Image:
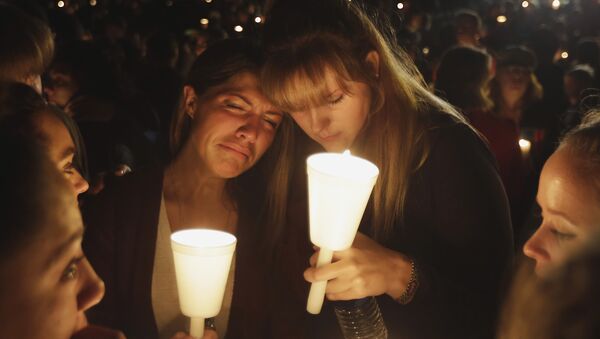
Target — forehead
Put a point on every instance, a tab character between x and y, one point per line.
563	189
308	87
58	223
57	137
245	84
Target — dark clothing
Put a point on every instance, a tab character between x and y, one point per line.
502	135
120	243
456	227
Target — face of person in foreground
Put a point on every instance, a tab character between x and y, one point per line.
336	124
61	149
570	211
232	125
48	284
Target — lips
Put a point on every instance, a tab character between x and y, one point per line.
329	137
245	151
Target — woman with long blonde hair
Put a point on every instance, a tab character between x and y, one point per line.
435	240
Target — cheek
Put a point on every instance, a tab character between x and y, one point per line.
264	142
303	121
51	313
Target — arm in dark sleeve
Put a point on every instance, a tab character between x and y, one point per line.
465	253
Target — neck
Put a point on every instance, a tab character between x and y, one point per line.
188	179
511	108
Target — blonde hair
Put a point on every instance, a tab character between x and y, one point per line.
305	41
26	44
583	142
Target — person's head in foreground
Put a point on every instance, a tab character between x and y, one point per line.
24	113
348	85
46	283
226	127
563	304
26	47
569	196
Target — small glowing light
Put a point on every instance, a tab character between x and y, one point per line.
555	4
501	19
258	20
60	4
93	3
564	55
400	5
208	1
238	28
204	21
425	50
525	146
525	4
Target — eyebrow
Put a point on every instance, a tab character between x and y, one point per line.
249	103
555	212
59	252
67	152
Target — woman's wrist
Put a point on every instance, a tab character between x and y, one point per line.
400	275
411	286
405	282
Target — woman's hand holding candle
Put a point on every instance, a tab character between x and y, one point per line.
365	269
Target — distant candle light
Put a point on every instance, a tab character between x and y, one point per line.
60	4
208	1
525	146
238	28
93	3
525	4
425	50
564	55
204	21
400	5
501	19
258	20
555	4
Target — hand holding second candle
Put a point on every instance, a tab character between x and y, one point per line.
365	269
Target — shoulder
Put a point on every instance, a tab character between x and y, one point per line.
448	136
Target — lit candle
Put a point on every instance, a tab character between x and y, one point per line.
525	146
202	261
339	186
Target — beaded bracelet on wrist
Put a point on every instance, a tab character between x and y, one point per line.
411	287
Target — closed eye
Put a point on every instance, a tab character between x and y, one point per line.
337	100
562	236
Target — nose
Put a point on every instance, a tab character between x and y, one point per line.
537	247
318	121
91	287
249	130
80	185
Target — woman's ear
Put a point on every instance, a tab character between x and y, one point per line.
372	61
190	101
